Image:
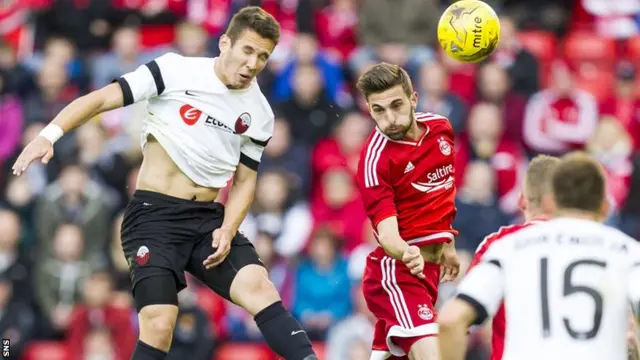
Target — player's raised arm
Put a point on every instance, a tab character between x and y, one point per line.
143	83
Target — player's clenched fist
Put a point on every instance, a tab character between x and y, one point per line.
39	148
414	261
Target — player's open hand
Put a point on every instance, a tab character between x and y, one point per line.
38	148
221	245
450	265
414	261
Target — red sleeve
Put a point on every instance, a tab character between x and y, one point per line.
77	330
373	182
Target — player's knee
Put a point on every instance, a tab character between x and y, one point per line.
156	325
253	290
424	348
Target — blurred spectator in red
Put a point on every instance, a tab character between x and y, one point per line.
306	52
560	118
287	154
241	326
341	149
485	141
382	36
624	104
97	312
328	301
435	97
17	319
191	40
18	78
277	212
358	256
53	94
342	209
335	26
126	56
494	86
11	120
59	276
521	64
214	307
192	337
75	199
461	78
15	263
310	111
478	210
358	327
612	146
609	18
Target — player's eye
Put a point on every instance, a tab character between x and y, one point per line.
248	50
264	58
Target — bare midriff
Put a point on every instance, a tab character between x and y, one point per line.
158	173
432	252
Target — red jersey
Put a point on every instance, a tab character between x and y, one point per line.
412	180
499	319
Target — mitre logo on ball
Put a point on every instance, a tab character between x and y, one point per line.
142	257
242	123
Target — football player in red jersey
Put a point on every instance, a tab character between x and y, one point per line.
406	178
537	205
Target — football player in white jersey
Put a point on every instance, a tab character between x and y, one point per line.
566	283
207	122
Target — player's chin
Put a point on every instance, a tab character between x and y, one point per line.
395	135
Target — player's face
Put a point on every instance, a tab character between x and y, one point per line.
393	111
245	58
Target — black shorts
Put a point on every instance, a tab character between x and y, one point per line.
162	235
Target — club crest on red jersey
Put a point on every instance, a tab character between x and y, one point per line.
424	312
445	148
242	123
142	256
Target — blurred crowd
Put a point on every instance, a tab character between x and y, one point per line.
563	78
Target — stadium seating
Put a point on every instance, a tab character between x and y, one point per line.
588	47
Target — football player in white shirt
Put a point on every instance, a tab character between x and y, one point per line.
566	283
207	122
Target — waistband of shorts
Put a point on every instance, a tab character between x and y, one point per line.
146	195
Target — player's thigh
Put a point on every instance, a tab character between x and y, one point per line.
241	278
425	348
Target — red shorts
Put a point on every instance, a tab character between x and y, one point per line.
402	303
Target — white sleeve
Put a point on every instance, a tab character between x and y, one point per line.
483	288
148	80
253	147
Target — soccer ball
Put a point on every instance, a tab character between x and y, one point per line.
469	30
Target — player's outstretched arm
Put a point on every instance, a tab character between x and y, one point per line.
72	116
390	240
454	320
238	203
633	351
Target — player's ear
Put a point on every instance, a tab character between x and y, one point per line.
224	44
604	210
522	203
414	100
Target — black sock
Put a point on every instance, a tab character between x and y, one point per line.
283	333
147	352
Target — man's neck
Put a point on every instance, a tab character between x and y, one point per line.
535	215
218	70
578	214
415	132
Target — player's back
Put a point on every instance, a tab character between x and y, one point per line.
565	290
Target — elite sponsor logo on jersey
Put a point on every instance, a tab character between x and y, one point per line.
242	123
189	114
213	122
142	256
441	178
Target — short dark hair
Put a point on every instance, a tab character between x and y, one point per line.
255	19
382	77
537	179
578	183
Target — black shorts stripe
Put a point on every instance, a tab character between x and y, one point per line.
481	312
127	94
249	162
261	143
157	76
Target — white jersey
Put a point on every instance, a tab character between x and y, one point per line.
566	285
206	128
